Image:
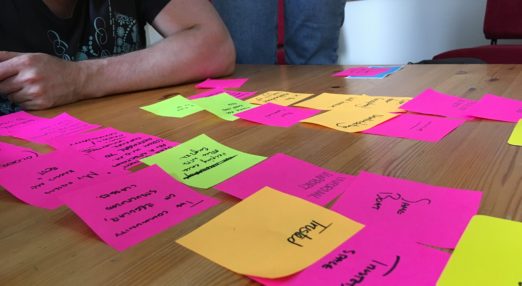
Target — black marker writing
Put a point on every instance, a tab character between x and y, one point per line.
131	199
125	231
117	192
303	232
338	259
358	123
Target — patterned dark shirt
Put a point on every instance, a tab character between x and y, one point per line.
98	28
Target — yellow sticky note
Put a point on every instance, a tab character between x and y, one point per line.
516	136
283	98
270	234
329	101
489	253
355	120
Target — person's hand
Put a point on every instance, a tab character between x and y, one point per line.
39	81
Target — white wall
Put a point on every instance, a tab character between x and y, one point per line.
401	31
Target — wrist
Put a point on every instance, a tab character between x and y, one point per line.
90	82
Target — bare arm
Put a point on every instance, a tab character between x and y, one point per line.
196	46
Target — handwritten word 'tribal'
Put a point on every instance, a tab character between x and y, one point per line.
303	232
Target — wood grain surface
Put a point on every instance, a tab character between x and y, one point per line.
40	247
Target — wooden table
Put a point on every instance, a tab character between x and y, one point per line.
40	247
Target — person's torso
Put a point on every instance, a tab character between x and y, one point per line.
97	28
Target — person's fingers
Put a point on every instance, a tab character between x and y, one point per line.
10	85
20	96
8	68
6	55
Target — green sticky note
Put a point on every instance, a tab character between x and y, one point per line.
516	136
177	106
489	253
202	162
224	105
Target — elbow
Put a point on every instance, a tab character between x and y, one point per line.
223	57
219	53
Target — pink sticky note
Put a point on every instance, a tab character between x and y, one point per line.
119	149
134	207
16	120
497	108
429	214
437	103
222	83
288	175
373	256
45	131
38	182
216	91
277	115
11	155
417	127
361	71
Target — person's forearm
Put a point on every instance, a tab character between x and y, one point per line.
188	55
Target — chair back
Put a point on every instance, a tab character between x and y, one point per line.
503	20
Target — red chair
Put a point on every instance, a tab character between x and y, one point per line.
503	20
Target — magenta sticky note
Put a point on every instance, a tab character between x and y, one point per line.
276	115
121	150
417	127
497	108
289	175
131	208
361	71
222	83
38	182
216	91
429	214
11	154
16	120
373	256
434	102
45	131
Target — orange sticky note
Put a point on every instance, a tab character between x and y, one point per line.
271	235
355	120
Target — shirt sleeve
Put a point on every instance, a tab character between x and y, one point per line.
149	9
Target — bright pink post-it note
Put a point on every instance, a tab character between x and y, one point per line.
119	149
417	127
222	83
433	102
497	108
45	131
277	115
288	175
11	155
216	91
361	71
429	214
134	207
38	182
373	256
16	120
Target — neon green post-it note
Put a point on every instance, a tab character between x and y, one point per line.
202	162
271	234
177	106
489	253
224	105
516	136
